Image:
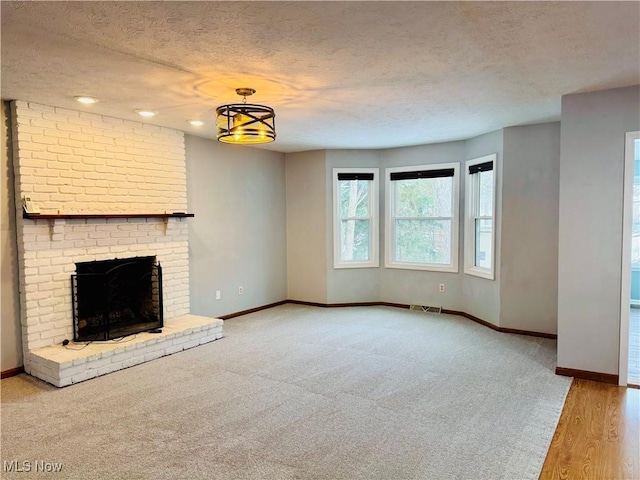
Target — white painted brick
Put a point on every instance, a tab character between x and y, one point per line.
50	285
95	364
26	127
90	116
74	162
131	361
33	107
59	149
82	167
191	343
154	355
70	174
79	121
48	372
70	127
66	112
63	308
34	342
173	349
38	121
86	243
104	370
180	340
81	377
207	339
80	361
76	369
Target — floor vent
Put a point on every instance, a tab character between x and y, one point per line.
426	308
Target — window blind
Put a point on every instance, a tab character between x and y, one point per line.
355	176
445	172
481	167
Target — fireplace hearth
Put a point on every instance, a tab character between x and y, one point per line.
116	298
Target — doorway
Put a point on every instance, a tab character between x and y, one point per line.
629	362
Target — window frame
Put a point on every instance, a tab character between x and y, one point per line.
390	219
471	215
374	235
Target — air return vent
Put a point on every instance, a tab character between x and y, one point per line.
426	308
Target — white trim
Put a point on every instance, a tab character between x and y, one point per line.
627	229
374	239
390	261
469	224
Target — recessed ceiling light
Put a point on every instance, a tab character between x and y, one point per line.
86	100
146	113
196	123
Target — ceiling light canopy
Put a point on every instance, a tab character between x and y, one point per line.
245	123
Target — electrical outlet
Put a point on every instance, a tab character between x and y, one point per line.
218	295
240	290
442	288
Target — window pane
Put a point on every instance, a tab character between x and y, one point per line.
635	228
484	248
423	241
485	195
424	197
354	198
354	240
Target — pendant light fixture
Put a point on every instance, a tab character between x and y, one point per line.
245	123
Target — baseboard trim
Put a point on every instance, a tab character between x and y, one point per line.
633	385
396	305
351	304
586	375
472	317
514	331
252	310
12	372
309	304
450	312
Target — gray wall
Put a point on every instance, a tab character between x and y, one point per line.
11	336
416	286
347	285
590	233
481	296
306	226
529	265
238	235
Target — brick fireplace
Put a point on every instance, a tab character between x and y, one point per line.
72	162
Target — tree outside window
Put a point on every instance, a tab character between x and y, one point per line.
422	213
355	217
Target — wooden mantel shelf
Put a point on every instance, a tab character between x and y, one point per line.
80	216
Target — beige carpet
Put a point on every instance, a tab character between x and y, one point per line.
304	393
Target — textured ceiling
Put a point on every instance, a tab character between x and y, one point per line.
339	74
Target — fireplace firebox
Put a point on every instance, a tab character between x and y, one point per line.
116	298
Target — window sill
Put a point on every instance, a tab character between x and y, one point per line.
488	275
423	267
342	266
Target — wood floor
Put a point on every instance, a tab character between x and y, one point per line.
598	435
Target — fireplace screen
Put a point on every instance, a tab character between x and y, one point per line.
116	298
